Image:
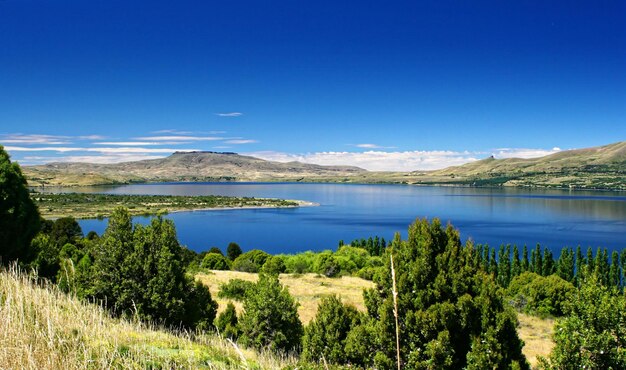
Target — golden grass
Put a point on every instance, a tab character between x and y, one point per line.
43	328
537	336
307	289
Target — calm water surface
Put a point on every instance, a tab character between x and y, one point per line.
493	216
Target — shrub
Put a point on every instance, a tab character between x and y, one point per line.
227	323
251	261
274	265
233	251
214	261
270	319
326	334
300	263
235	289
535	294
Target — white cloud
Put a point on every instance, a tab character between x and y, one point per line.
229	114
377	160
35	139
100	159
241	141
373	146
179	138
97	150
523	152
92	137
136	143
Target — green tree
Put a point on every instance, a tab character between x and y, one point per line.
233	251
450	314
270	318
214	261
516	266
565	265
274	265
251	261
614	273
65	230
525	266
593	334
19	216
326	334
227	322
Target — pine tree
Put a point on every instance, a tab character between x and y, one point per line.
548	262
565	265
525	266
538	260
233	251
516	267
614	273
227	322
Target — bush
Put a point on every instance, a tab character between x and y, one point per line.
214	261
300	263
251	261
233	251
274	265
235	289
227	323
326	264
593	334
325	336
544	296
270	319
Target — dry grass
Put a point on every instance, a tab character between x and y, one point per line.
537	336
307	289
42	328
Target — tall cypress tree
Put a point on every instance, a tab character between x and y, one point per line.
516	267
525	266
614	273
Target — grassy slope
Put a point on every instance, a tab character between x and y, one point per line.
42	328
309	288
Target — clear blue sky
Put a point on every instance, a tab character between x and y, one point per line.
325	81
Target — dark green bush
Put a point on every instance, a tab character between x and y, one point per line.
274	265
227	322
251	261
214	261
235	289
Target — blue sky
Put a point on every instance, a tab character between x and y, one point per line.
384	85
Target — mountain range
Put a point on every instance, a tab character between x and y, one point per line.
601	167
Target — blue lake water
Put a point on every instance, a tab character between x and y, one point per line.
552	218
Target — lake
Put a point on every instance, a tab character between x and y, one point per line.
495	216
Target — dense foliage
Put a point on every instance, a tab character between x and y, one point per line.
451	315
19	217
270	318
544	296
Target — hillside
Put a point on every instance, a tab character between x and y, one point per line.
42	328
601	167
184	166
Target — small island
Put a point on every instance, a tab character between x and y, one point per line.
83	206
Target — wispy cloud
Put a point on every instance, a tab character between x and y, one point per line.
173	131
372	146
241	141
135	143
178	138
92	137
229	114
35	139
97	150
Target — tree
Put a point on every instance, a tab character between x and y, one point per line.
274	265
326	334
593	334
227	322
451	315
516	267
233	251
19	216
65	230
215	261
270	318
251	261
525	266
565	265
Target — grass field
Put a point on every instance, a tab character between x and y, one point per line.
307	289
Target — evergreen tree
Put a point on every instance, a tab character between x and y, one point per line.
270	318
19	216
538	260
233	251
326	334
516	267
580	266
623	264
504	266
486	262
614	273
525	266
565	265
227	322
548	262
590	262
532	267
493	265
451	316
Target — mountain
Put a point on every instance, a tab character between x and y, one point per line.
185	166
601	167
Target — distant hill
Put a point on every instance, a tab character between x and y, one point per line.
601	167
184	166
